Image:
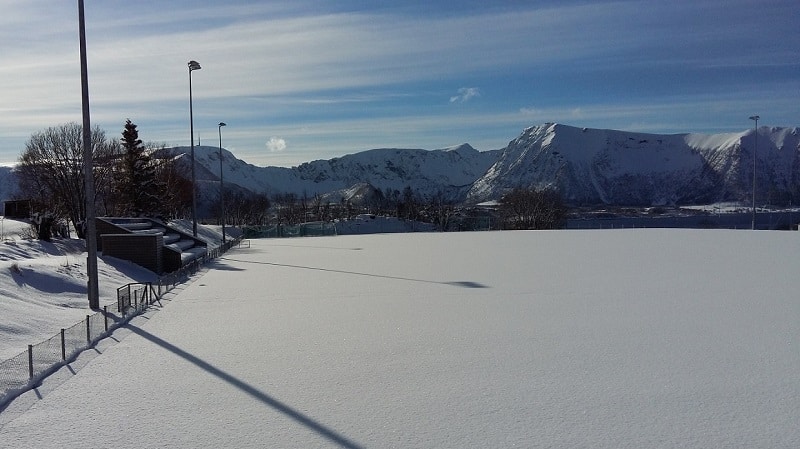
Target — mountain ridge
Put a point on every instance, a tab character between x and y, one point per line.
588	166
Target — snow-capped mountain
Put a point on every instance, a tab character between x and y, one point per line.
449	172
9	184
588	166
596	166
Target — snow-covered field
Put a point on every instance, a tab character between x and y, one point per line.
615	338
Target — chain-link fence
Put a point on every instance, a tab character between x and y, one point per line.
313	229
27	369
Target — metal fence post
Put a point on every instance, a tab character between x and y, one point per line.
105	317
88	330
30	361
63	346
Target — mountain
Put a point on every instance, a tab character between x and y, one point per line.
588	166
597	166
9	184
449	172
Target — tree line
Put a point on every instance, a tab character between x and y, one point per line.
520	208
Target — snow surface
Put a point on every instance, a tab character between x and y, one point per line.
617	339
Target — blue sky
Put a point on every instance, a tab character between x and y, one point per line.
302	80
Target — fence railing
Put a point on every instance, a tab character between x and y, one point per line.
27	369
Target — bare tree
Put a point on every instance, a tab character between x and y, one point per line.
51	171
532	209
174	189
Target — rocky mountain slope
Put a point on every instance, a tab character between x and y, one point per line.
596	166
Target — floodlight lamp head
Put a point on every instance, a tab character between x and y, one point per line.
221	124
755	117
194	65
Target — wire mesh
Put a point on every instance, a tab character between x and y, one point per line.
14	373
46	354
97	326
75	338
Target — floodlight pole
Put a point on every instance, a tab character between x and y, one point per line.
193	65
221	186
90	233
755	149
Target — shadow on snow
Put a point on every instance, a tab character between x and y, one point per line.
465	284
307	421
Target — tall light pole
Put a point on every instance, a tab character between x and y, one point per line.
221	187
755	149
193	65
90	232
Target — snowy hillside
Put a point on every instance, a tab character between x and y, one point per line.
9	186
593	166
448	171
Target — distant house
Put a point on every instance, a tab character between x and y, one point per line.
17	209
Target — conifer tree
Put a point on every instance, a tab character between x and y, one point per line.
137	184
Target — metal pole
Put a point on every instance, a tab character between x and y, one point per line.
755	150
191	136
221	186
91	239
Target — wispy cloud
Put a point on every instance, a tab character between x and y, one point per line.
465	94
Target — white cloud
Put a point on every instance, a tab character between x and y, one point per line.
465	94
276	144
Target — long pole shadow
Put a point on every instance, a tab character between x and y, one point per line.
466	284
308	422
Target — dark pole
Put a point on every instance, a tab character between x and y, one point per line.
193	65
755	149
221	186
91	239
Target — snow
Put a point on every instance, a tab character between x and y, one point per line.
722	140
615	338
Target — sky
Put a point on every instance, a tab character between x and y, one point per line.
657	338
301	80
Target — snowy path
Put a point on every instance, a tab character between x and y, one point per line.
635	338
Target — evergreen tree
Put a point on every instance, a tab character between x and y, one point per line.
137	184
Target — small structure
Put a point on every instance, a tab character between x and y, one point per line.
147	242
17	209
